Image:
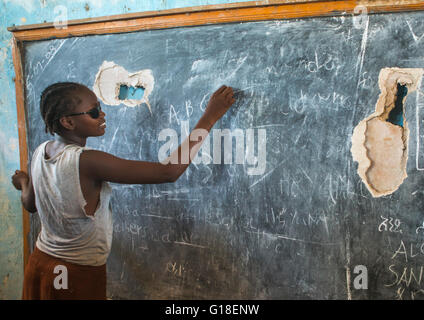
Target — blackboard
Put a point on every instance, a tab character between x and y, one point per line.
298	230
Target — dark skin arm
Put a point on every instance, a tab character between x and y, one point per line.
23	182
101	166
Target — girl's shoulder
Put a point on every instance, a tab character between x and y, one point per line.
40	148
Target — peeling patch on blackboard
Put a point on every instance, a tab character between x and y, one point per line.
201	65
111	76
379	144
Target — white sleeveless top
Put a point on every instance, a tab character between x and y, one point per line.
67	232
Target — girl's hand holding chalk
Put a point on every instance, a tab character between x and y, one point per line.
219	103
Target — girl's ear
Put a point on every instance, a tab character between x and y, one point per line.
67	123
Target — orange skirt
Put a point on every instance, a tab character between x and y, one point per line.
70	282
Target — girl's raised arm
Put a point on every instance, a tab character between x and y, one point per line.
102	166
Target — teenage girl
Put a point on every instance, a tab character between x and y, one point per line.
69	190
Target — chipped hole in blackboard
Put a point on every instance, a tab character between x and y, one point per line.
130	93
396	114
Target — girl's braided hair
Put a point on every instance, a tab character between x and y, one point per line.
56	101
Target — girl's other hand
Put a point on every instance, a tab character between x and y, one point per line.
19	179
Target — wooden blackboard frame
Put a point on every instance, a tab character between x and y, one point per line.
183	17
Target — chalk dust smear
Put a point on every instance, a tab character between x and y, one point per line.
111	77
379	144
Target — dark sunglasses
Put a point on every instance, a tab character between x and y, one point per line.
94	113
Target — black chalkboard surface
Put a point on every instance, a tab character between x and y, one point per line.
302	227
